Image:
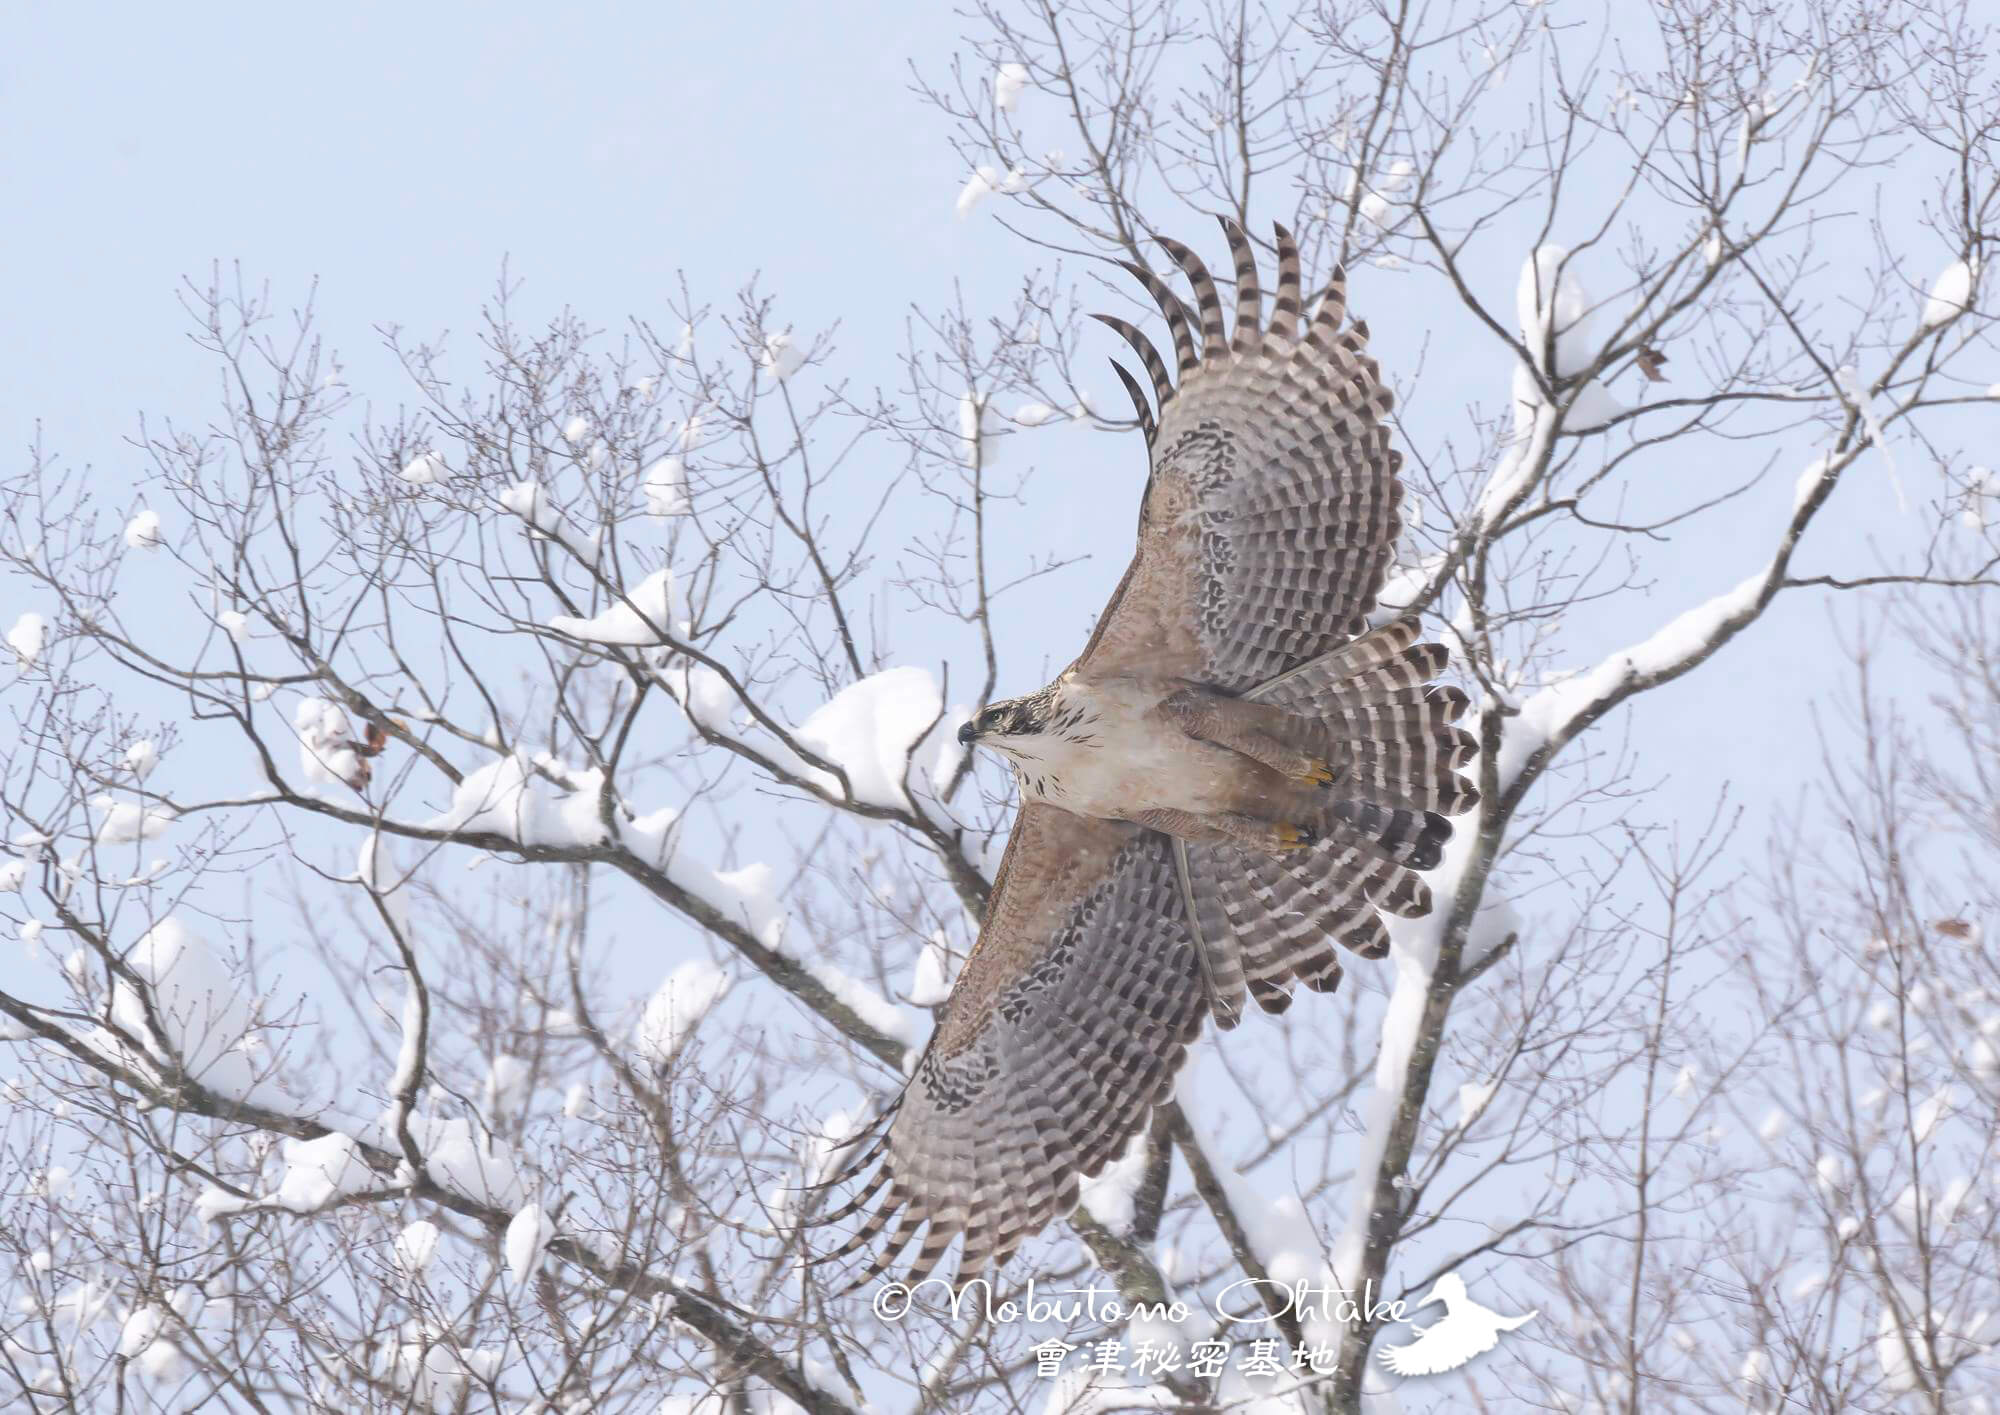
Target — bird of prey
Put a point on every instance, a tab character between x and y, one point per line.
1234	775
1467	1330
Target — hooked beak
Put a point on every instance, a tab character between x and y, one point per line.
1432	1296
966	734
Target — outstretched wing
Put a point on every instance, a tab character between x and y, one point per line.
1269	521
1270	513
1064	1029
1387	732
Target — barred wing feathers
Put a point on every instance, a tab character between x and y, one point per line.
1387	731
1266	528
1064	1030
1269	521
1270	513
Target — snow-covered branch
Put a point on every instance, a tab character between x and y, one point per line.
474	863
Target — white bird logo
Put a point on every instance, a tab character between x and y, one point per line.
1468	1330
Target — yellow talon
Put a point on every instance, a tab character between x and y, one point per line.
1292	837
1318	774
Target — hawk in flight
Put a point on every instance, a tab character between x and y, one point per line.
1235	775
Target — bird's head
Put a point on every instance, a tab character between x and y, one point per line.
1013	727
1448	1289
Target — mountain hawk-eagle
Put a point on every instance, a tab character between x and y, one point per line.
1234	775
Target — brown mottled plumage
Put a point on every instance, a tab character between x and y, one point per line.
1233	776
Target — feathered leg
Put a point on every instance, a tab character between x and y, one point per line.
1266	734
1227	828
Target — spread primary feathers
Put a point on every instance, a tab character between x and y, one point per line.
1234	775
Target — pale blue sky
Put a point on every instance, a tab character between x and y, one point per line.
398	153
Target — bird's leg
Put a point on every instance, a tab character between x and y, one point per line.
1226	828
1257	730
